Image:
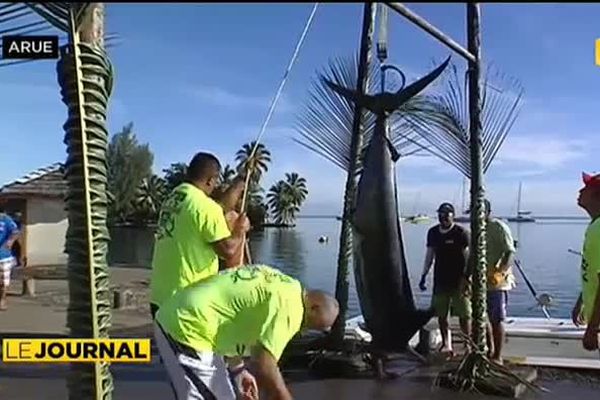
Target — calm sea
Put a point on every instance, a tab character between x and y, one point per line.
543	252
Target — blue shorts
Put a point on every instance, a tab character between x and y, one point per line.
496	305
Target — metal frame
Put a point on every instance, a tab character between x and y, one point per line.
432	30
478	222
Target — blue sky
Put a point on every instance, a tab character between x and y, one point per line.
200	77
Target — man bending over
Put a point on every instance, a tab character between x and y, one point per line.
205	329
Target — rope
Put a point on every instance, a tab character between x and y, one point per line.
272	109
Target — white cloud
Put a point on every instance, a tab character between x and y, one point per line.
223	97
543	152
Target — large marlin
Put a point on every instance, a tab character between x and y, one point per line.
380	269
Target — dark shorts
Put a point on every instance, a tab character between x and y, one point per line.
496	305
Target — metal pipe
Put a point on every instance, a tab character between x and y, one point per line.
432	30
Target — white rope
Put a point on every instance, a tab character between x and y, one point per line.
285	76
275	100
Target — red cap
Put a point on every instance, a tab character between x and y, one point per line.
590	180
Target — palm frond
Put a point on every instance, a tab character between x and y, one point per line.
446	126
43	18
86	69
58	14
324	124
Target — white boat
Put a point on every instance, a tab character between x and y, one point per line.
529	341
522	216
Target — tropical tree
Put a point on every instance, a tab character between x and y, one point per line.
227	175
129	163
297	187
253	161
150	196
175	175
446	129
85	76
285	198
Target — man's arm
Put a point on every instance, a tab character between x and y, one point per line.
232	195
594	322
14	234
509	250
229	247
429	256
264	367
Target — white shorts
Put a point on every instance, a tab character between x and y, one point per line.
6	265
193	374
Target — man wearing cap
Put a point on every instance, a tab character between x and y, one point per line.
500	251
587	307
447	244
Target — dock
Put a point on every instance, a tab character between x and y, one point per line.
539	342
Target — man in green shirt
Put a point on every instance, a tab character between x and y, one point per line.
587	308
500	251
205	329
192	232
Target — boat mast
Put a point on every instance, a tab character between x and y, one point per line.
519	200
464	198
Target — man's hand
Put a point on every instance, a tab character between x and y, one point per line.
576	316
422	283
246	385
242	224
590	339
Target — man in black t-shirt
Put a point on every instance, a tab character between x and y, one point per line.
448	244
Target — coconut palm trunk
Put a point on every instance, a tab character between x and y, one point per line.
85	77
342	282
478	221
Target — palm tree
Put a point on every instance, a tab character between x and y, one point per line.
297	187
285	198
257	163
446	126
83	67
175	175
227	175
149	198
281	203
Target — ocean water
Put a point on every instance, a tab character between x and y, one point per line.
542	251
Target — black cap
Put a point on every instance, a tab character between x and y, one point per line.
446	208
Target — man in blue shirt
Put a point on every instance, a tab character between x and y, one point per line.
8	234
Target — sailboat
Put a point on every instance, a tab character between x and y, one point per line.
416	218
522	216
464	217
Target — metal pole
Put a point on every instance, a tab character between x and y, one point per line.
478	220
345	252
432	30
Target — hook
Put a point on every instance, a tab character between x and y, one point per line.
384	68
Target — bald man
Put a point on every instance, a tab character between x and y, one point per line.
205	329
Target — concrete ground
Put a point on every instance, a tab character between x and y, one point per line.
150	382
45	315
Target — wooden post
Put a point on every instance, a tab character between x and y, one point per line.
478	220
345	251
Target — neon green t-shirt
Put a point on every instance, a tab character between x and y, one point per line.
230	313
590	268
189	222
499	241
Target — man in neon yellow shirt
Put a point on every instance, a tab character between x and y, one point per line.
587	308
205	329
500	251
192	232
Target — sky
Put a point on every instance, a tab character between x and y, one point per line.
200	77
